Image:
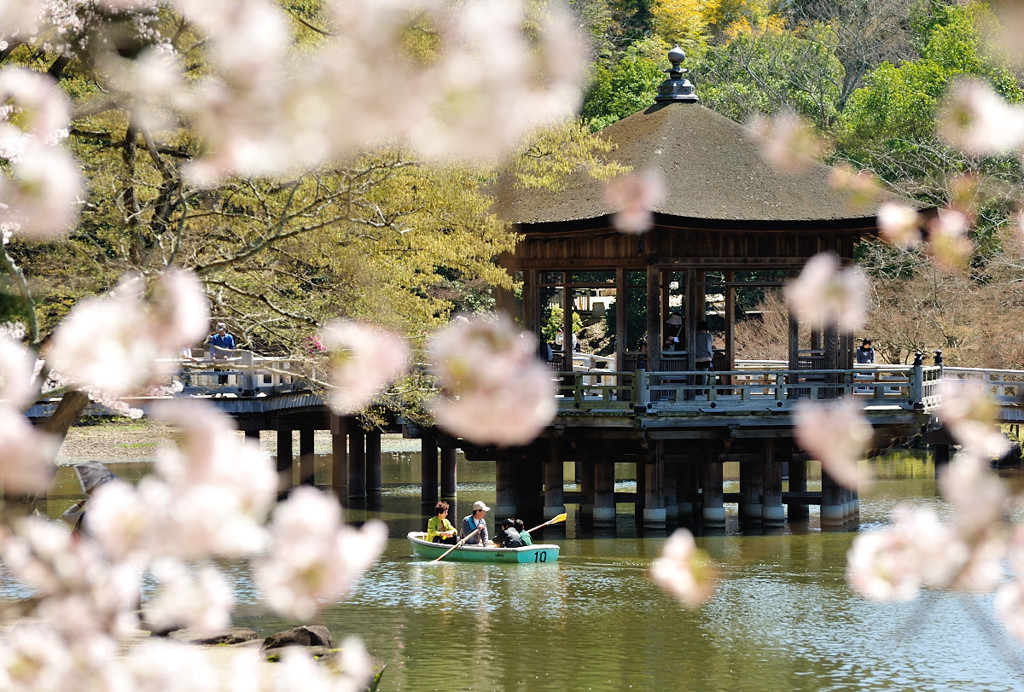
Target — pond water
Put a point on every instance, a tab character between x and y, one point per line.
783	618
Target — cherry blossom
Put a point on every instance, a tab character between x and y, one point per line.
978	121
198	600
894	563
836	434
787	142
633	195
862	187
26	453
18	384
315	557
948	243
825	293
364	359
684	570
969	413
494	389
899	224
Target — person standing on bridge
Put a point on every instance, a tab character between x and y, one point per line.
865	353
222	345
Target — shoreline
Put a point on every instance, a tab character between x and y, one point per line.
138	441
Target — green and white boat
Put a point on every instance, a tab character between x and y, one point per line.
537	553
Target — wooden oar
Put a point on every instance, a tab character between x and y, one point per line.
461	541
557	520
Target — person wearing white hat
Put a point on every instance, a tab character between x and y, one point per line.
476	521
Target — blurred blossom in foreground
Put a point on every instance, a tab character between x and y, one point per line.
970	414
836	434
862	187
979	122
684	570
632	195
363	360
42	185
787	142
118	344
899	224
26	454
948	243
825	293
315	558
494	389
894	563
495	71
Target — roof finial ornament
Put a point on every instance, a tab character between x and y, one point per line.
676	87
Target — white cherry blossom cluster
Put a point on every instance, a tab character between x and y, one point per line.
363	359
837	434
684	570
41	186
494	389
120	343
826	293
632	196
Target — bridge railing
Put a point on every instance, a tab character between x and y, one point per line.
244	373
1006	387
747	389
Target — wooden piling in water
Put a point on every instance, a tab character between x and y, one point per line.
356	462
604	492
449	472
428	470
285	481
554	497
306	459
339	456
374	481
773	516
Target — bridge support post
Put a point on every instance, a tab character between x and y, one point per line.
798	511
339	457
654	489
640	497
554	496
713	512
428	470
306	458
671	496
285	479
940	457
751	492
505	485
449	472
604	492
252	436
772	514
832	514
687	490
586	471
356	462
374	481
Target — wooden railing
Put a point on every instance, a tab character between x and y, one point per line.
912	387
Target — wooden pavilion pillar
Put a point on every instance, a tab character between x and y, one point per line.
307	460
654	488
620	319
449	471
713	510
832	513
428	470
772	513
653	317
554	496
356	462
374	472
285	479
339	456
730	320
798	511
751	492
604	491
252	435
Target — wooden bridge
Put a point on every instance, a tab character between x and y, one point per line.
678	427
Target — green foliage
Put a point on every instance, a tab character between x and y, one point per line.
621	90
549	331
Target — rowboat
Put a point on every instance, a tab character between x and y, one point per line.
538	552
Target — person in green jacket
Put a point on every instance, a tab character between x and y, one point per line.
521	528
439	529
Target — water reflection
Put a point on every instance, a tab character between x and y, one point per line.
783	618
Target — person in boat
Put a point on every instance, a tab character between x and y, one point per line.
507	536
476	521
523	533
439	529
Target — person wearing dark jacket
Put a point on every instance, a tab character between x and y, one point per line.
507	536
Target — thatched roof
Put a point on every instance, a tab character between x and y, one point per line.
713	172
